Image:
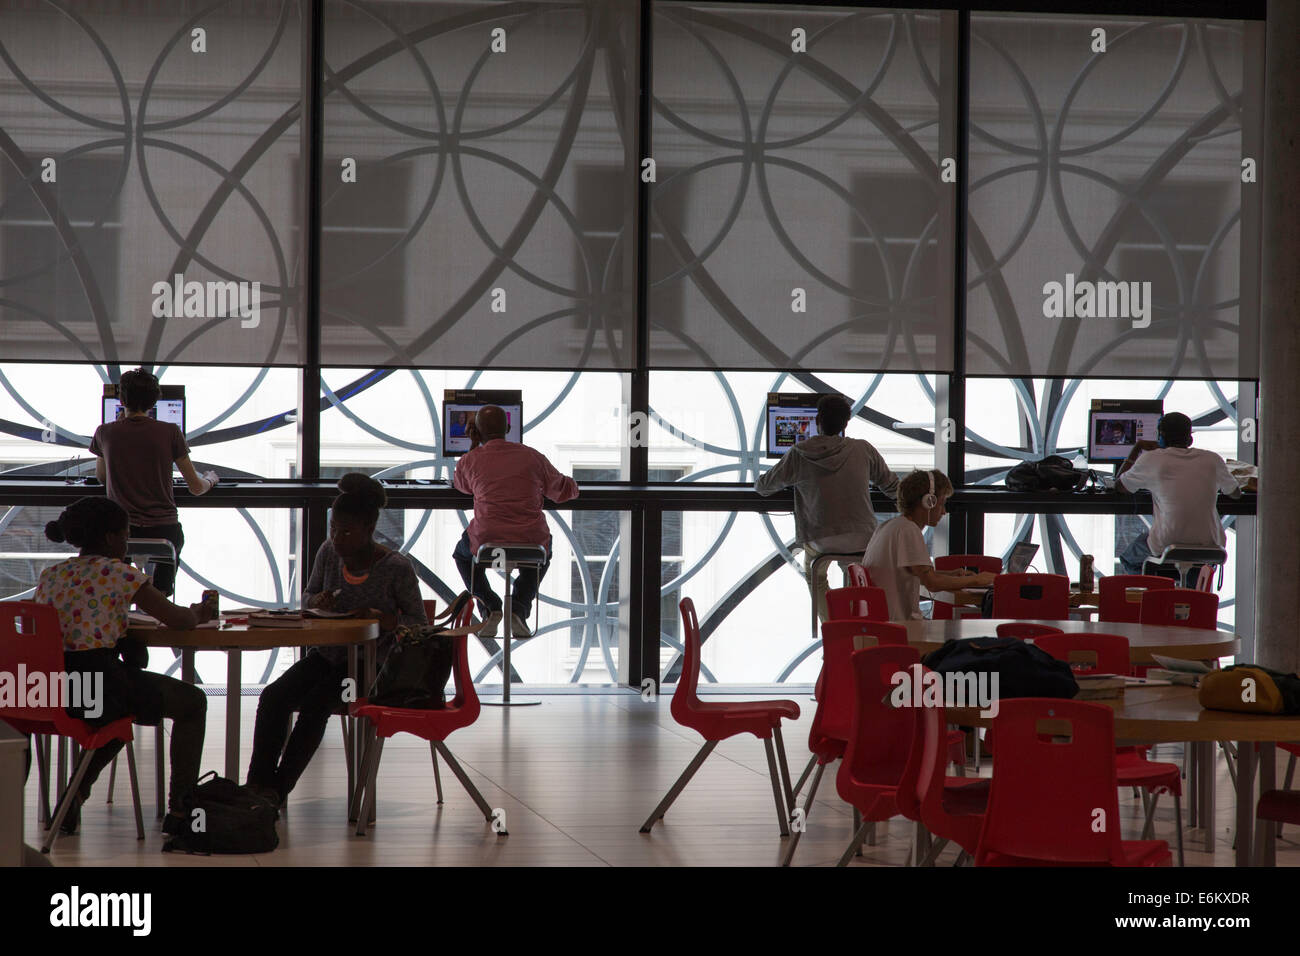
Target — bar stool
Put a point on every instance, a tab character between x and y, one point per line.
1185	557
814	567
506	558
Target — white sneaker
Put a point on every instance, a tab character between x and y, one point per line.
490	625
519	628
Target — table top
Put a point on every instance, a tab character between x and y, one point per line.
1189	643
316	633
1083	599
1173	714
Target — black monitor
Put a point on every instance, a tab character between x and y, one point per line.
1116	425
170	407
460	405
791	418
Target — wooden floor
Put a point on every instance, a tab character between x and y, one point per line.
576	777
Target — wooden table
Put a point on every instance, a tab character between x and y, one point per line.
1188	643
1085	602
1174	715
237	638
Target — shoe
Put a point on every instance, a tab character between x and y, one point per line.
490	625
519	628
174	824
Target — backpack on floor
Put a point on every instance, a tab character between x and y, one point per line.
226	818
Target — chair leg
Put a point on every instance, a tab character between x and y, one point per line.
65	801
1178	820
135	788
785	768
112	780
364	800
676	788
858	836
1290	772
1149	828
467	783
807	809
349	758
803	777
772	772
160	771
41	745
437	776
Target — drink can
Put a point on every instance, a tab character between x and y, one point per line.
1085	574
211	596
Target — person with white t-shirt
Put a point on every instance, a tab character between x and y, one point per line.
1184	483
897	558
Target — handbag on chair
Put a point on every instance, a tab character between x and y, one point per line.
418	667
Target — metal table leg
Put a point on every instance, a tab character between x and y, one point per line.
1245	801
1266	841
234	684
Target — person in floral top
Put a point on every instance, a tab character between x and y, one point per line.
92	594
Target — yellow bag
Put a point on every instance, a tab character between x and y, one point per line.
1249	690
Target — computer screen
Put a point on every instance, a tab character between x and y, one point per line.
1116	425
460	405
791	418
170	407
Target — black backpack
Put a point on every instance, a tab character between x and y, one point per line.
233	819
1023	670
1053	473
418	667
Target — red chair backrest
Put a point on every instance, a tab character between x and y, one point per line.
858	576
1025	630
1205	578
880	736
466	697
1180	607
1115	602
30	636
685	698
1051	800
885	633
1042	596
834	716
431	610
979	563
867	603
1108	652
920	789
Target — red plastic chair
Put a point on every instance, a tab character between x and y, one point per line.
1045	796
1045	597
880	740
950	808
1025	630
31	639
431	725
1100	653
870	603
859	576
1180	607
1116	606
716	721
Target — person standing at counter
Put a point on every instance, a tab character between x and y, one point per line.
1184	485
831	476
134	459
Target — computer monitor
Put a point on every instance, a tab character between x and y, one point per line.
460	405
1116	425
791	418
170	407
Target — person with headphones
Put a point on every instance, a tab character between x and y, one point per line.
1184	483
134	458
831	476
897	558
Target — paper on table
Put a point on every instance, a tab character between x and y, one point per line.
1183	666
321	612
140	619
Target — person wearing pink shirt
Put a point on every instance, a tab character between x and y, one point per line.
509	482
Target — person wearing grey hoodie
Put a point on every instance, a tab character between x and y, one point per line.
831	476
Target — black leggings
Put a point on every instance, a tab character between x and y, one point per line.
147	697
314	688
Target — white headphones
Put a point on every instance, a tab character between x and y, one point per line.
930	500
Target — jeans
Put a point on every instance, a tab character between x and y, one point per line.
314	688
158	697
522	594
164	575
